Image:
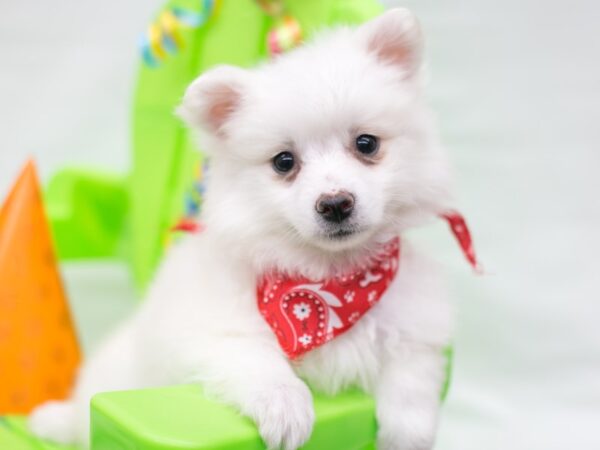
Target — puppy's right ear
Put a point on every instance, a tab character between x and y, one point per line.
213	98
395	38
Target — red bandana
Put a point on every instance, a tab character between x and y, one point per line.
305	314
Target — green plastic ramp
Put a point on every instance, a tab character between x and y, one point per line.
178	418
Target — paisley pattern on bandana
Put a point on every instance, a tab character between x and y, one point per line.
305	314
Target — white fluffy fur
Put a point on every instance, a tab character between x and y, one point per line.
200	322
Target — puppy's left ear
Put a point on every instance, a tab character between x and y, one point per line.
395	38
213	98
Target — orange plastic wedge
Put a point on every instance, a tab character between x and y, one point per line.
39	353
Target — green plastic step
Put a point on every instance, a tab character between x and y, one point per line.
177	418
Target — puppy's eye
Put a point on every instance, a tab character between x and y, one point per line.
367	144
283	162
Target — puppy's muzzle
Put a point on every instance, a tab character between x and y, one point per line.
335	207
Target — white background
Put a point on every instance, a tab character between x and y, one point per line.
516	85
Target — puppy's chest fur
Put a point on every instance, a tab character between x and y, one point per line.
207	303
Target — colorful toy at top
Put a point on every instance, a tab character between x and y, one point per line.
164	34
286	33
39	353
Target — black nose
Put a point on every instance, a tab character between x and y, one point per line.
335	208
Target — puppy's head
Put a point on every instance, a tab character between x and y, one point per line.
323	151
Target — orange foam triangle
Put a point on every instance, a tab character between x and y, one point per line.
39	353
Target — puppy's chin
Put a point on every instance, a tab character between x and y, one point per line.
341	239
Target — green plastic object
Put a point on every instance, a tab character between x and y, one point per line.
182	418
88	211
129	217
178	418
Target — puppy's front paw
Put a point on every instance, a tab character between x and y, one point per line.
284	415
414	430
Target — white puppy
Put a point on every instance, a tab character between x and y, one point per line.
317	158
